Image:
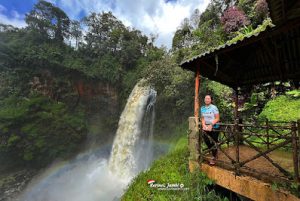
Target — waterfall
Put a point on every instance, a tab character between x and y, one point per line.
132	147
92	176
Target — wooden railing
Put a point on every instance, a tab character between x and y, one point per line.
263	137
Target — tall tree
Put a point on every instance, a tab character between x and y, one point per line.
75	32
104	32
195	19
182	37
48	20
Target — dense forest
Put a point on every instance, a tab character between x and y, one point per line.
64	83
54	79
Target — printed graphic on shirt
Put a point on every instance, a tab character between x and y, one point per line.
208	113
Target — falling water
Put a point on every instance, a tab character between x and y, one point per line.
92	176
132	147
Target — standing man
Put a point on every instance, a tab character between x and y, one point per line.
209	118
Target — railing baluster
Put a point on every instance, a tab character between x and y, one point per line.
237	151
200	140
295	151
268	137
298	137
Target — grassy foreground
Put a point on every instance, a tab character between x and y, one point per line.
171	168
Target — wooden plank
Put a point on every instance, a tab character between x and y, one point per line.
244	185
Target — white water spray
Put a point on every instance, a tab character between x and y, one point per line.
93	177
132	147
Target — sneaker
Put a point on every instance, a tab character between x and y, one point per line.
212	161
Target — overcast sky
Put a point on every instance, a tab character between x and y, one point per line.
159	17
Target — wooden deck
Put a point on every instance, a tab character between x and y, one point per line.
259	168
247	186
252	159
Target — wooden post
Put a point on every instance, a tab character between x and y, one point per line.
268	138
236	134
298	126
197	85
236	104
295	151
196	113
194	138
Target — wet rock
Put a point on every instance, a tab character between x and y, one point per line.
12	184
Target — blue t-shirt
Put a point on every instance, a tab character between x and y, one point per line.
208	113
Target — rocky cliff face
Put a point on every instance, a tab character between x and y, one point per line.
73	88
97	96
12	184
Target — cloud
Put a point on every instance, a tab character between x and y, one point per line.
158	17
14	19
162	18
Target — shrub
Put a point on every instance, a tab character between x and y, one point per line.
282	108
233	19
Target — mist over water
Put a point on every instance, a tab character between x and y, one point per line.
87	178
95	176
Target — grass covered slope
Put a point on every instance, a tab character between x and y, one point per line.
282	108
173	169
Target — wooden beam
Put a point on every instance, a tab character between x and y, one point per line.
197	85
226	77
245	185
